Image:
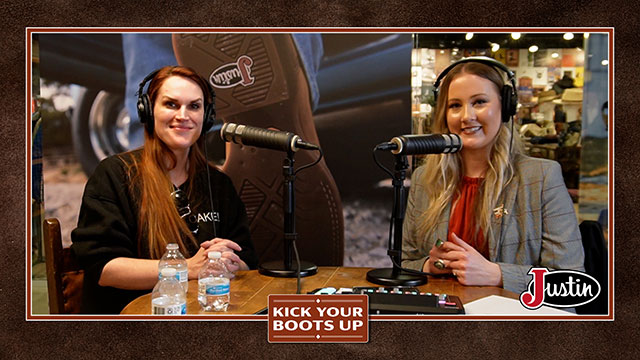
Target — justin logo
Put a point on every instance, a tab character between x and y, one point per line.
230	75
560	288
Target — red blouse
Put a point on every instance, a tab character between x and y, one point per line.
462	221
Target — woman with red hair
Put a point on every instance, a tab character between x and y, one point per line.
137	202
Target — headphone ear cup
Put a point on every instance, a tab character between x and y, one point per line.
209	112
145	113
509	103
209	118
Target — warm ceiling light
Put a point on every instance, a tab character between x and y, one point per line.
605	62
586	35
568	36
515	36
555	55
495	47
468	36
533	48
441	51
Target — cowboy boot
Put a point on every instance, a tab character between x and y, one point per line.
260	81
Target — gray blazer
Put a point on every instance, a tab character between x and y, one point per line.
538	228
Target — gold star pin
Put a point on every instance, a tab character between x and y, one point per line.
499	211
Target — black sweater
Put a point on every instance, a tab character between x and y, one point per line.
108	227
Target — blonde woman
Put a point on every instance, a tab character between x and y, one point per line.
136	203
487	213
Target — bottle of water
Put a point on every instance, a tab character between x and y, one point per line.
168	297
172	258
213	284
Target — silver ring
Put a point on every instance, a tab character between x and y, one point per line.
439	264
439	243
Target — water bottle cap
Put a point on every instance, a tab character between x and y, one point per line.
172	246
168	272
215	255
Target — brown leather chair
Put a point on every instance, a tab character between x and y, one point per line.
64	275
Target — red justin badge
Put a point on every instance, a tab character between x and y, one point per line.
318	318
559	288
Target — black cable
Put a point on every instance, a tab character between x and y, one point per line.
391	227
295	250
213	218
311	164
375	159
379	164
511	141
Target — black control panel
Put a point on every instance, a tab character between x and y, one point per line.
409	300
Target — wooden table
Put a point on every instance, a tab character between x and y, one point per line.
250	290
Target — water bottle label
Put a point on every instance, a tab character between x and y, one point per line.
218	289
180	309
182	276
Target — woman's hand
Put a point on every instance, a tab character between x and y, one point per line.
470	267
227	248
233	262
439	252
222	245
195	263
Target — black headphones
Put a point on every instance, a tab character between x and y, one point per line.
508	92
145	108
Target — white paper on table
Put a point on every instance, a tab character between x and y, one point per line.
499	305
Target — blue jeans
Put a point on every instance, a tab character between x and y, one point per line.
144	53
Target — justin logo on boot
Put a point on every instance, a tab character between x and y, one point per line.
232	74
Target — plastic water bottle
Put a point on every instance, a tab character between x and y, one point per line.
168	297
213	284
172	258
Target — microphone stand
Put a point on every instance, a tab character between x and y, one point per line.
395	276
285	268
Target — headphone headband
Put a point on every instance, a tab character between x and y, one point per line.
478	59
146	80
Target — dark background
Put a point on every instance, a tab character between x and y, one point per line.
453	340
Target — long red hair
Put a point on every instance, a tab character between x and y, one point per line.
159	222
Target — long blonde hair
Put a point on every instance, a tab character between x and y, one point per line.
159	222
442	181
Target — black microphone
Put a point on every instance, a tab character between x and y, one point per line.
423	144
264	138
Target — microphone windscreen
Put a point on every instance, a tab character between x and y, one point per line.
427	144
258	137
